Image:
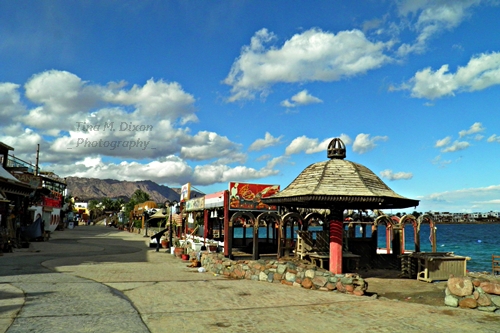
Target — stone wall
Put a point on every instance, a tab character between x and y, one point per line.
473	293
292	272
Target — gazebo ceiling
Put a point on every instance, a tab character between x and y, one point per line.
339	183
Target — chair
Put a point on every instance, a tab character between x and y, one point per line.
321	248
304	243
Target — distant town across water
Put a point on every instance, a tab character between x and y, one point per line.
447	217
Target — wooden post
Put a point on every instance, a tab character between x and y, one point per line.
396	241
388	237
433	237
416	232
255	249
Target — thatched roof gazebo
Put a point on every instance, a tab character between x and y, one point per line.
338	184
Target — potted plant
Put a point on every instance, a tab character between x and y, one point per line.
164	242
179	249
212	246
196	245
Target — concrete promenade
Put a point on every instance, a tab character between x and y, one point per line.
98	279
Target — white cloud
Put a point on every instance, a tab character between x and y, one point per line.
313	55
207	145
287	104
458	200
10	105
433	17
157	98
481	72
456	146
307	145
475	128
211	174
363	143
493	138
268	141
443	142
275	161
440	162
390	175
79	124
62	92
301	98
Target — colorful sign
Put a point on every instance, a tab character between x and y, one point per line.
185	192
243	196
195	204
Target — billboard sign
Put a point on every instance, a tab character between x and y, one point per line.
185	192
195	204
243	196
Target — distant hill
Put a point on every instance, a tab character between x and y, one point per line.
92	188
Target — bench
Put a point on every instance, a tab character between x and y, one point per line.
319	257
495	264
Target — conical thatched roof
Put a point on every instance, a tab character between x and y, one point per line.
339	183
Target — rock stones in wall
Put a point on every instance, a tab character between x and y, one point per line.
460	286
466	293
298	273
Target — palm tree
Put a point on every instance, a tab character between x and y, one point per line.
140	196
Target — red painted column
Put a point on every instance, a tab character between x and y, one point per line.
205	223
336	238
228	228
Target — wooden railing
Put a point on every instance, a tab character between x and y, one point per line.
495	264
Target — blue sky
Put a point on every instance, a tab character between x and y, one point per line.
209	92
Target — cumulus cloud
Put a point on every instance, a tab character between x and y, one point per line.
307	145
390	175
312	55
481	72
363	143
432	18
207	145
10	102
458	199
493	138
456	146
438	160
443	142
268	141
62	92
311	146
83	129
475	128
301	98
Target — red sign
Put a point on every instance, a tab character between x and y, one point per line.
50	202
244	196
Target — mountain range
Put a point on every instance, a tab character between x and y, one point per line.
92	188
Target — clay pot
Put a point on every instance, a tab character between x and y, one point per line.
178	251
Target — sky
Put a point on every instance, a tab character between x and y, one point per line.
209	92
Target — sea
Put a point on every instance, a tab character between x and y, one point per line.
476	241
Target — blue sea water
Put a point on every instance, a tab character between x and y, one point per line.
477	241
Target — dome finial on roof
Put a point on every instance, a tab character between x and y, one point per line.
336	149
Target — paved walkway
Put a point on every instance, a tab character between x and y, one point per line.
98	279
